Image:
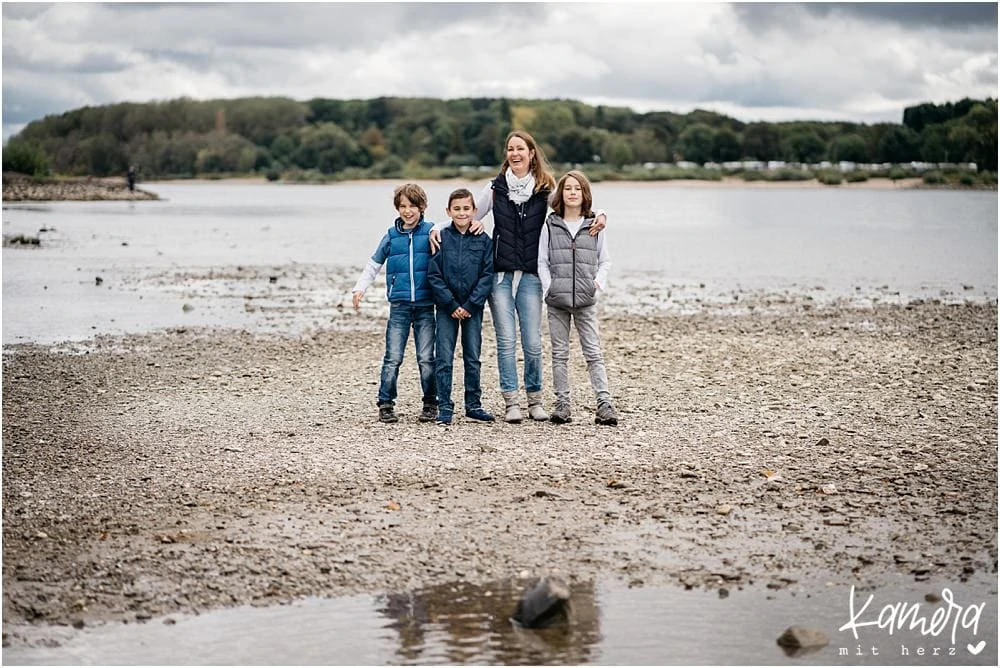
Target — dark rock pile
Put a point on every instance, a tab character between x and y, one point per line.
21	188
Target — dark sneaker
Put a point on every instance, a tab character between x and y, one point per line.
429	414
606	415
444	418
387	414
560	414
479	415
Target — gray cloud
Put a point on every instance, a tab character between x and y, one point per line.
949	15
922	14
802	60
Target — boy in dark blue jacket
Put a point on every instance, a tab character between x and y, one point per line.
461	277
405	251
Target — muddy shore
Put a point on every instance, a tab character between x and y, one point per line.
189	470
21	188
18	188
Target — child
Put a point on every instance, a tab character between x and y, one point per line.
461	275
573	266
405	250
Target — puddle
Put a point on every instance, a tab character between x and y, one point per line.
610	624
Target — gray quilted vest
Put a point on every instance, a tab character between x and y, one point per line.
572	264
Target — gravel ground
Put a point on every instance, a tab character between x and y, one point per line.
188	470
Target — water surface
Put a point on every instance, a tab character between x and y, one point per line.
460	623
673	248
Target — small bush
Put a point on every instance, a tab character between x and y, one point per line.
787	174
896	174
751	175
273	174
967	179
857	176
389	168
829	178
933	177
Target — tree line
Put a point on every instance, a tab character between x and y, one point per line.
389	136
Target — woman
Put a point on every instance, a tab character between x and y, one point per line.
518	198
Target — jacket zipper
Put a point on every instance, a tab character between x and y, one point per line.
413	286
572	247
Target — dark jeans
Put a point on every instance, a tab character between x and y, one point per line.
472	342
401	318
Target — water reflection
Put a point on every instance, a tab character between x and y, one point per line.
461	623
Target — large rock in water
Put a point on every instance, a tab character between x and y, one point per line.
800	637
544	604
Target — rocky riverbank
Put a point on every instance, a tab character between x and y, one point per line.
21	188
197	469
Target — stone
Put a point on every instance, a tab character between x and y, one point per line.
800	637
544	604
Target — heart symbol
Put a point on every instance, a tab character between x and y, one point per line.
977	649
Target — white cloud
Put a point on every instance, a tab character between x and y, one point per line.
768	62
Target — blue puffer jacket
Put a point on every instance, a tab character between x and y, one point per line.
407	256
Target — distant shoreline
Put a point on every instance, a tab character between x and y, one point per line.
19	188
726	182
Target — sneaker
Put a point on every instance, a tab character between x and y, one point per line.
429	413
387	414
444	418
560	414
606	415
479	415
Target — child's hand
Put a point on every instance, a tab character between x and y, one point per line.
435	241
356	299
477	227
599	224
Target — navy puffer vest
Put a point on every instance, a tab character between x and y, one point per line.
516	228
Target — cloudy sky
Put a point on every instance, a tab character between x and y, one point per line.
817	61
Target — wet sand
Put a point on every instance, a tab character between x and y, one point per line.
195	469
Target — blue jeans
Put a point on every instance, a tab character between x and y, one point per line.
401	318
527	305
472	343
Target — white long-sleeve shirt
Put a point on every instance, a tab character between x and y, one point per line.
603	256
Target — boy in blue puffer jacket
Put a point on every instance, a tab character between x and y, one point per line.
461	277
405	250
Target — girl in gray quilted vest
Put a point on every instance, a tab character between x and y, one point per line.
573	266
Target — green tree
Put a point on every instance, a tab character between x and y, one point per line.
695	143
761	141
726	146
328	148
982	121
897	145
850	148
804	146
617	151
25	157
934	143
647	146
574	145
